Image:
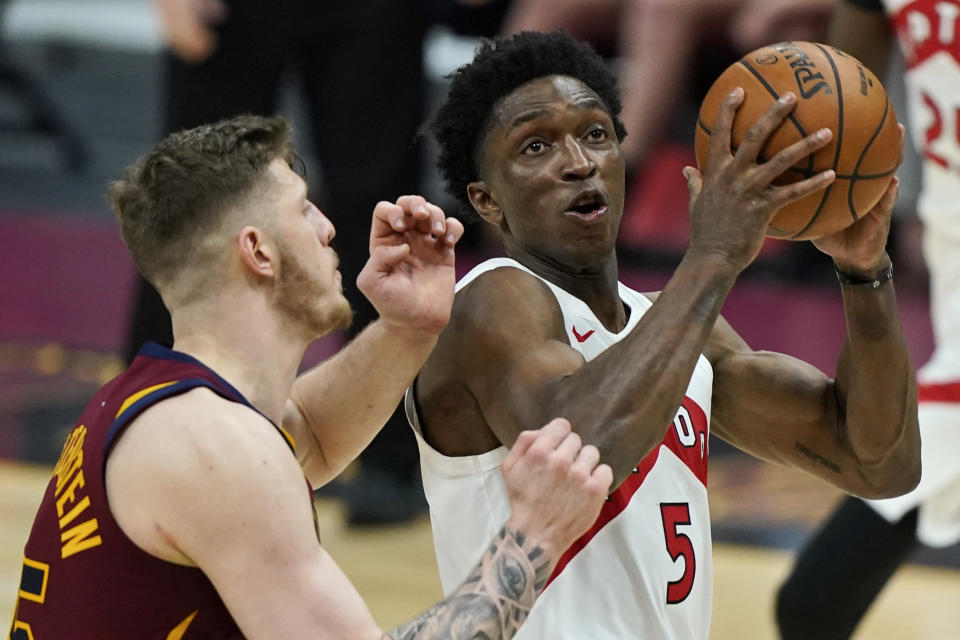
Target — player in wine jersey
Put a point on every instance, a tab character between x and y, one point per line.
862	544
529	141
180	508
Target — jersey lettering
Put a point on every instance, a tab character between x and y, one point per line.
70	480
684	426
694	457
33	587
928	28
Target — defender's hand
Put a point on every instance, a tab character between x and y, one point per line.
410	276
732	205
556	486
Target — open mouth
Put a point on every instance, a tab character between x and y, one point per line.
587	206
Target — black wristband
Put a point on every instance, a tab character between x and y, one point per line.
857	281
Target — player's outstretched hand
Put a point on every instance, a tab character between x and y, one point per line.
555	484
410	277
861	247
732	204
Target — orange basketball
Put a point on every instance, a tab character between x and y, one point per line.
833	90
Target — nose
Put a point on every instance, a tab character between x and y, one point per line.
578	164
325	228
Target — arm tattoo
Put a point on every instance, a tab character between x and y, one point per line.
816	457
493	601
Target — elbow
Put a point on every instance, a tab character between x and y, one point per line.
896	483
898	474
897	470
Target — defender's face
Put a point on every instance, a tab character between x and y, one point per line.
308	286
553	172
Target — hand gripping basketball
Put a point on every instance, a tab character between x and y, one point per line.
734	200
835	91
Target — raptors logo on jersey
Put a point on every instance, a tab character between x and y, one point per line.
929	34
645	561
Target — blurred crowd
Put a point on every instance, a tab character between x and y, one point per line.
360	68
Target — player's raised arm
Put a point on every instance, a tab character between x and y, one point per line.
859	431
519	367
409	279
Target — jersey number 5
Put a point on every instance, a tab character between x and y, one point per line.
679	544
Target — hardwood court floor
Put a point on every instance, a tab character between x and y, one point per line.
394	569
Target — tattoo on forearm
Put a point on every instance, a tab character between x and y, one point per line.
493	601
816	457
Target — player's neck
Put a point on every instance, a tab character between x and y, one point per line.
597	286
249	346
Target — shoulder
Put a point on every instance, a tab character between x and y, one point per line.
187	456
504	283
198	428
503	300
201	417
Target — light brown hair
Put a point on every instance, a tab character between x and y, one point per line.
170	200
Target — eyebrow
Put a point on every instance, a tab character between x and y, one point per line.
585	104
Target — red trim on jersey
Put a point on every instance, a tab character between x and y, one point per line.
942	392
694	454
918	52
620	498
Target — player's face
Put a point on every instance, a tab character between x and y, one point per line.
553	173
308	285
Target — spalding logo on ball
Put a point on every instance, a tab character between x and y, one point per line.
833	90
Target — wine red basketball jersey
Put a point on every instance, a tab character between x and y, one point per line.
82	577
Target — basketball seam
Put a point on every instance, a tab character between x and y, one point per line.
866	147
836	155
803	133
844	176
776	96
840	127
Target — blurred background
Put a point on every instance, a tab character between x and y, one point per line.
85	87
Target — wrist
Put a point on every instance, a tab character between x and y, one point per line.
866	280
407	337
531	537
711	266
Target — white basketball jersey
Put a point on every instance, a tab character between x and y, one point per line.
644	569
929	34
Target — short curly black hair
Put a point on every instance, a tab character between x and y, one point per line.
499	66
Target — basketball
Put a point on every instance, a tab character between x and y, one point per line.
833	90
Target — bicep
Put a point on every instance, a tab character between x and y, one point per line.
780	409
506	345
515	394
308	451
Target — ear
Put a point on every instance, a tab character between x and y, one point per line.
484	203
256	254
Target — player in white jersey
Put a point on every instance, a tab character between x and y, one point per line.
529	141
468	501
862	544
